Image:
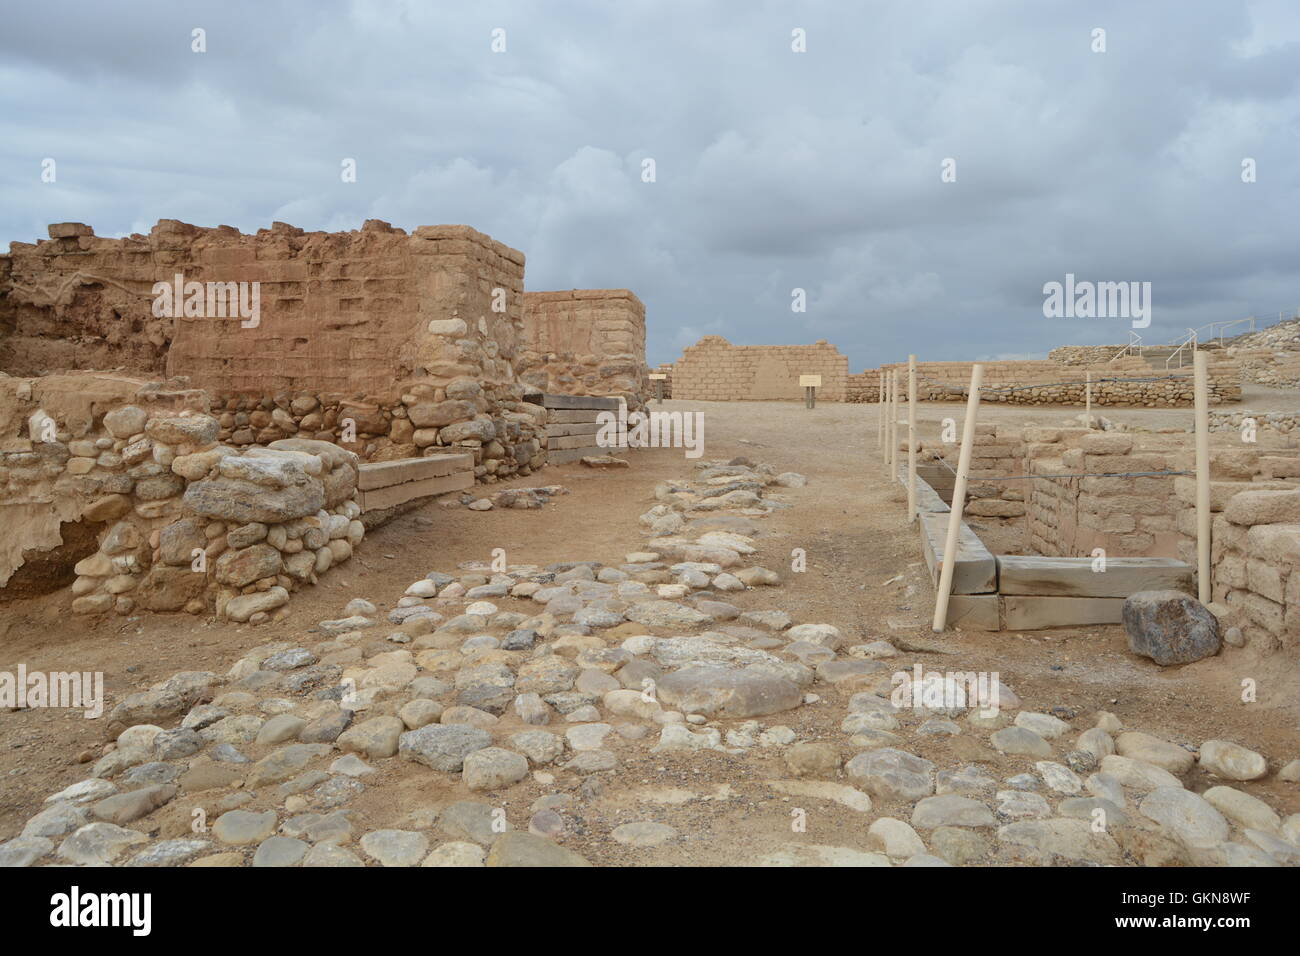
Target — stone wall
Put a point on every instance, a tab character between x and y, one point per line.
585	342
1256	566
715	370
412	339
128	480
1134	516
359	311
1277	368
863	386
1034	382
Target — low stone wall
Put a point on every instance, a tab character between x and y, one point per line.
715	370
998	450
1276	368
178	520
1127	382
505	434
1276	423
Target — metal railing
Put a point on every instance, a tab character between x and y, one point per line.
1134	347
1186	348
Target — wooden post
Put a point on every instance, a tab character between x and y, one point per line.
893	425
911	438
880	413
958	500
1087	402
1201	375
659	391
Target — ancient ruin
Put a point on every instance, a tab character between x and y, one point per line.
296	475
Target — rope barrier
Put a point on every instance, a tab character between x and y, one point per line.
1080	474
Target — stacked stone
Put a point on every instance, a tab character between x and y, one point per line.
204	524
1016	383
1256	566
1280	422
997	450
490	420
585	342
864	387
1125	516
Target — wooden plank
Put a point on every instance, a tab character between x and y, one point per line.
1023	612
975	570
392	495
580	428
562	456
381	474
1074	577
975	612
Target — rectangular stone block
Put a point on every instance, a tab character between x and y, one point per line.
975	571
380	474
1033	575
1027	613
391	495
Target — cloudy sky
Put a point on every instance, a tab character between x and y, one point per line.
774	170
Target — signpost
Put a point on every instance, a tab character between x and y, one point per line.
810	385
658	378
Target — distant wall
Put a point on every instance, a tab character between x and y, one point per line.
715	370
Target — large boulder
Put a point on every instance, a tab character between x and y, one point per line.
1170	627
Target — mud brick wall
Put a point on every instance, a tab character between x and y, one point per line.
360	311
1125	516
585	342
715	370
863	386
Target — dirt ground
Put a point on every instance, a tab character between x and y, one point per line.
849	520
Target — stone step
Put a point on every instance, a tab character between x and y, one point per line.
1075	577
578	428
1021	612
392	495
381	474
560	442
975	570
549	400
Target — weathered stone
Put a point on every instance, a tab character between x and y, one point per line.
1170	627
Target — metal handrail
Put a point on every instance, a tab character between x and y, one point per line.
1188	339
1134	347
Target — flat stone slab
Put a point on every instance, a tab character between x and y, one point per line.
975	571
1025	613
1075	577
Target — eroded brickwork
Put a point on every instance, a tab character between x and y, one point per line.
585	342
